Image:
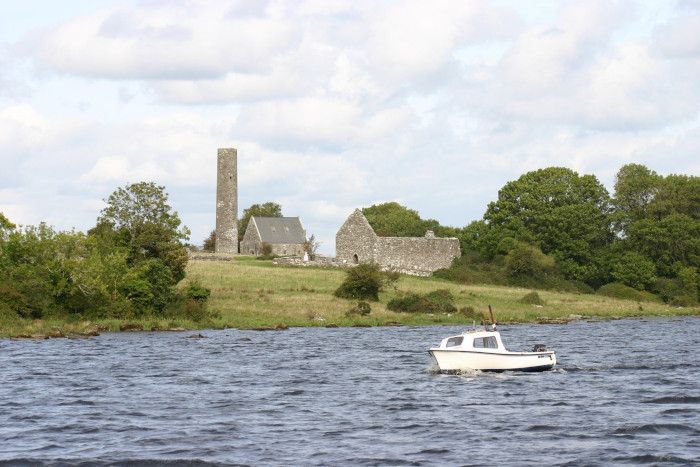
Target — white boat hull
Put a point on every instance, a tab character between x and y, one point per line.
463	360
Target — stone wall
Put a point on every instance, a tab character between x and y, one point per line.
356	242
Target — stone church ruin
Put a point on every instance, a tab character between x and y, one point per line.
356	242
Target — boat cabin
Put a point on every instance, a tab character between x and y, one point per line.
489	341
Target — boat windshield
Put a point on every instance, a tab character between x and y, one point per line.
485	343
454	341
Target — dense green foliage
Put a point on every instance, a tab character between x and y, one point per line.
126	266
394	220
364	282
564	215
554	229
437	301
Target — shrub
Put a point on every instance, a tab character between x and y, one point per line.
526	260
196	310
438	301
624	292
363	282
196	302
533	298
634	270
196	292
18	303
667	288
361	309
684	301
470	312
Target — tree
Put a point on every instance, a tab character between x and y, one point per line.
565	215
677	194
268	209
394	220
523	260
139	217
5	227
635	188
210	242
634	270
671	243
311	246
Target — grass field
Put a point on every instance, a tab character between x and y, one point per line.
246	293
250	293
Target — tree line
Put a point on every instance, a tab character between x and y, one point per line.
553	228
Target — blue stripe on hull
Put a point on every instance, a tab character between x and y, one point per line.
531	369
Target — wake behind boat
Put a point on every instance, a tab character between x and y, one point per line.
483	349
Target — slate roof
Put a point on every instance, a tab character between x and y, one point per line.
280	229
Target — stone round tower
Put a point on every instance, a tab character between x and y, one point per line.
227	201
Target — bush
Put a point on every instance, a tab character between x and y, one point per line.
438	301
634	270
681	290
361	309
196	303
526	260
621	291
533	298
470	312
668	289
196	310
196	292
363	282
684	301
18	303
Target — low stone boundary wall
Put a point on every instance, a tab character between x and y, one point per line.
334	263
322	262
210	257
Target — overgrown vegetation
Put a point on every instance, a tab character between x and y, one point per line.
126	267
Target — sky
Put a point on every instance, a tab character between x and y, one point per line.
338	105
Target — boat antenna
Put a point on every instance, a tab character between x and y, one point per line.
493	321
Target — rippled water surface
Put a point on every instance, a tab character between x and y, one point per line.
623	393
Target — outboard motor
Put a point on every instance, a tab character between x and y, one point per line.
539	348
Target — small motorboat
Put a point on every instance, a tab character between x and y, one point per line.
483	349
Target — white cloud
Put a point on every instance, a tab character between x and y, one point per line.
157	41
338	105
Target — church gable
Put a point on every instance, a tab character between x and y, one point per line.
356	242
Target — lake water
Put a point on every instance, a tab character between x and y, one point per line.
623	393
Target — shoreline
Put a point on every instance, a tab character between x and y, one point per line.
92	332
